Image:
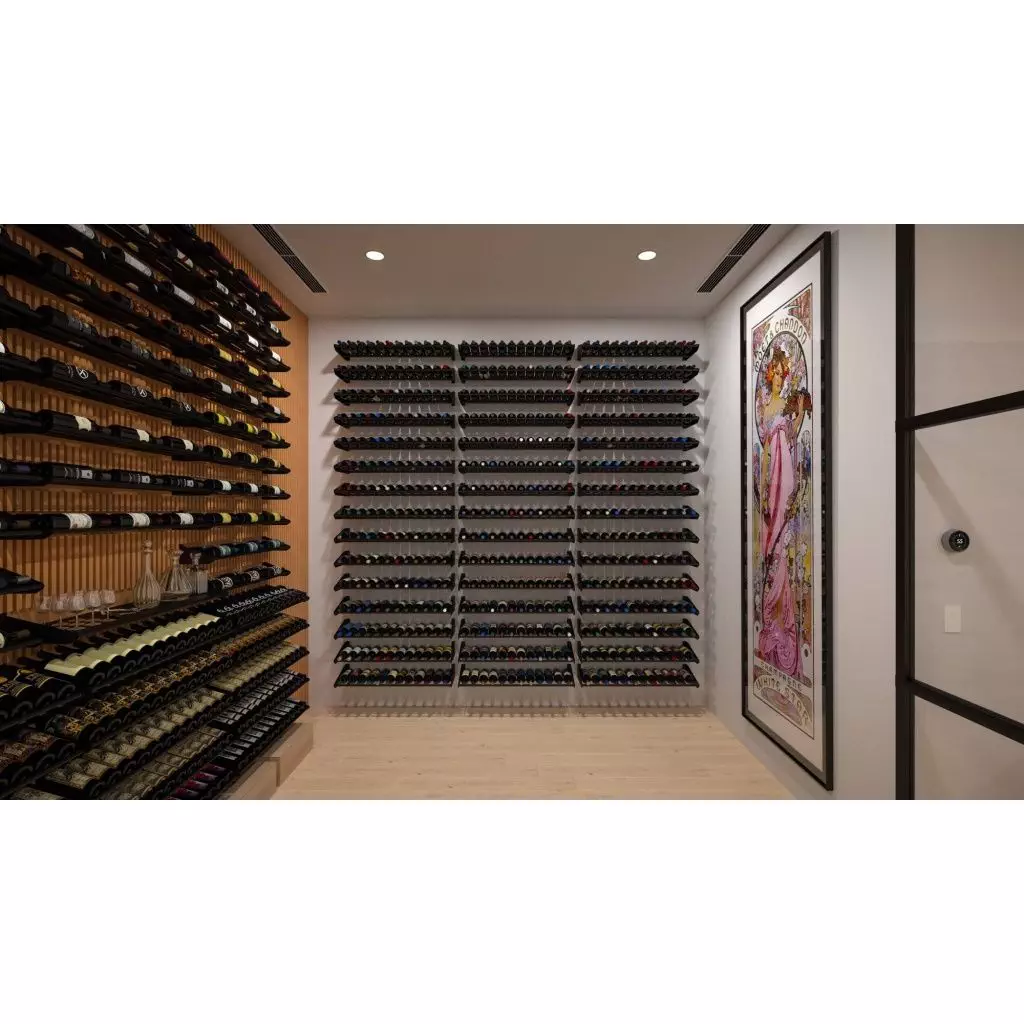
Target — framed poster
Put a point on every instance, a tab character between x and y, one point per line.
785	405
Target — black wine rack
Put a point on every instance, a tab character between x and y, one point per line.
515	547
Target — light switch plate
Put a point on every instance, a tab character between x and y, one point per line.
953	618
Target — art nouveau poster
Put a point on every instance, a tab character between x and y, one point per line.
785	332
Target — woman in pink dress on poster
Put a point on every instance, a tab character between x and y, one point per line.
781	407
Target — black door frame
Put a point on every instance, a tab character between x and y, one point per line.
909	689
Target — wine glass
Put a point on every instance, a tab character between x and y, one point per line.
61	606
94	602
109	600
78	605
44	606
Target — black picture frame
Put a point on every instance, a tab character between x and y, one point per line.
821	247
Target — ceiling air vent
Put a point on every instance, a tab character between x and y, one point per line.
285	251
740	249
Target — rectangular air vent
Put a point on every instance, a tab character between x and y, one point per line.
740	249
285	251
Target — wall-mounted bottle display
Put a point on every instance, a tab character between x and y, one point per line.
128	350
518	583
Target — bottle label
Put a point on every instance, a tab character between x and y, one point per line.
79	520
224	323
224	388
136	264
139	519
189	446
275	356
82	423
84	229
275	489
252	312
220	287
252	342
186	518
3	408
253	489
225	485
223	353
183	295
143	436
225	517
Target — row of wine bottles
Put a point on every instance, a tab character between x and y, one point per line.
212	552
560	558
615	371
356	676
14	524
398	490
413	371
395	349
408	442
516	349
42	474
69	427
348	582
395	536
517	536
540	652
684	582
516	512
682	676
669	558
516	676
521	372
438	466
603	652
516	583
368	630
505	419
360	606
520	630
385	558
435	652
531	396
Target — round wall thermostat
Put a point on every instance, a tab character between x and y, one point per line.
956	540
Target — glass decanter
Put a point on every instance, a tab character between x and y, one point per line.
147	588
176	585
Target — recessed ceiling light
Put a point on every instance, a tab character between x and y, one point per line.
647	254
373	254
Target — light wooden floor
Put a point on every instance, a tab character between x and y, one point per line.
526	756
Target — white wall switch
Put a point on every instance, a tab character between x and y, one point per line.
953	618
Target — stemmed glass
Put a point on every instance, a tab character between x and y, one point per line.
94	602
44	606
61	606
109	599
78	605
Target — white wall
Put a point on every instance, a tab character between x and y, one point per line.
323	527
970	346
863	509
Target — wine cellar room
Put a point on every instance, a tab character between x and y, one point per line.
353	511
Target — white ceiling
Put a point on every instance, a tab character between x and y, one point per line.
554	270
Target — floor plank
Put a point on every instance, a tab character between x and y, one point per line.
688	755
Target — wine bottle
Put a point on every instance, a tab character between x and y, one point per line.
16	583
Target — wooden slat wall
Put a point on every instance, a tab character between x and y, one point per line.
77	561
